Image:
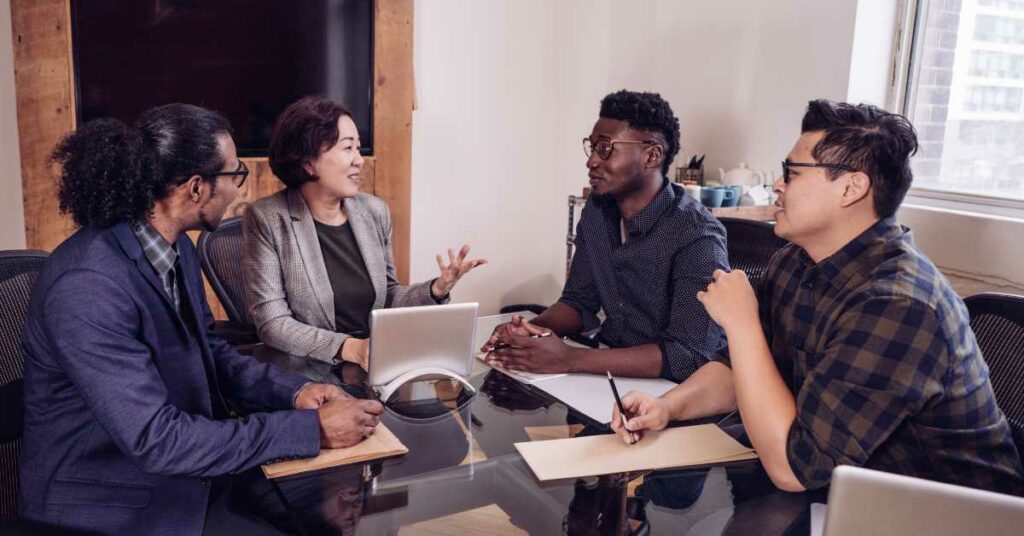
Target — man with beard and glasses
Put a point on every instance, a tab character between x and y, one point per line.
643	250
127	429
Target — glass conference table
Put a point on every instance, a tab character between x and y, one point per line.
463	475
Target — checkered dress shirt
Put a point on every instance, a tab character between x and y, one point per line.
877	348
162	256
647	286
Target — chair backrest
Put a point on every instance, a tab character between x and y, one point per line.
998	324
751	245
18	271
220	254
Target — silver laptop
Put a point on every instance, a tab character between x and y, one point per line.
863	501
408	343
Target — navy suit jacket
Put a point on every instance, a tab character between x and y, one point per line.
120	434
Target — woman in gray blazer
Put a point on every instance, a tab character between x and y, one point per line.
317	255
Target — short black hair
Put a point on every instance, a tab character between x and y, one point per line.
867	139
306	129
647	112
111	172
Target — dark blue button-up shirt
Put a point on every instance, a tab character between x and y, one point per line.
647	286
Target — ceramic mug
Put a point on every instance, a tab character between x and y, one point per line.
693	191
734	199
713	197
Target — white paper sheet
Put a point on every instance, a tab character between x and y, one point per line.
525	377
591	395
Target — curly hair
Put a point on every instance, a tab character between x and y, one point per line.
647	112
111	173
306	129
868	139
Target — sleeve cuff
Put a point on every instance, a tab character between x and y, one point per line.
443	299
295	396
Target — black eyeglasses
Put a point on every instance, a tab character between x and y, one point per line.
786	165
238	176
604	148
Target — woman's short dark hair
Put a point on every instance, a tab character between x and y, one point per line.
111	172
867	139
304	131
647	112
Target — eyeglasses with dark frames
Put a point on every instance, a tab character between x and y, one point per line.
786	165
238	176
604	148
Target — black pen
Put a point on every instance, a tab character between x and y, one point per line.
622	409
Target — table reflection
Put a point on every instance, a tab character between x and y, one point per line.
462	473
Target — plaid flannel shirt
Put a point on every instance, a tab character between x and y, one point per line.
162	256
877	349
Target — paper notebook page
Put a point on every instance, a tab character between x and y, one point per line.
591	395
524	377
705	444
382	444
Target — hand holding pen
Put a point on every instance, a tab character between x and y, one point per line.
502	344
642	412
518	326
630	437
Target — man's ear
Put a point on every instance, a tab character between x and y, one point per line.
655	155
194	188
858	186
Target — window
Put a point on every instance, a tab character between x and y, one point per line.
965	96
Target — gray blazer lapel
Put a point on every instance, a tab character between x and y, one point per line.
370	245
304	233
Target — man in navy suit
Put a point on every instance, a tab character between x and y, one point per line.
126	426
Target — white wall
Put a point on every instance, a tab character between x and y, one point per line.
12	220
506	90
873	42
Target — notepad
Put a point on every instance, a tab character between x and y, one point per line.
588	394
524	377
686	446
591	395
382	444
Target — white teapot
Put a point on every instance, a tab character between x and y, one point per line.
741	176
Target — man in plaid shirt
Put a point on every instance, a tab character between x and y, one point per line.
855	349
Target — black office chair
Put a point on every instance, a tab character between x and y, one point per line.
220	254
998	324
18	271
751	245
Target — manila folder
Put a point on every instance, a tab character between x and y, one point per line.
382	444
705	444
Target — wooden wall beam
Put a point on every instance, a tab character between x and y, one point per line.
393	98
46	111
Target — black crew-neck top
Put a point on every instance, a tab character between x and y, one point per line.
350	281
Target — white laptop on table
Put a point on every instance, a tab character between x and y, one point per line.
862	501
414	343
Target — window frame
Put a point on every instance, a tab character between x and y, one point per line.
906	49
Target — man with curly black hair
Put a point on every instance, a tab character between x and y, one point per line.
126	427
643	251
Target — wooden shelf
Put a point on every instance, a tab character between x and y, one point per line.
759	213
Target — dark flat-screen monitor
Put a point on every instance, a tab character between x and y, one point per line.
248	59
